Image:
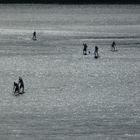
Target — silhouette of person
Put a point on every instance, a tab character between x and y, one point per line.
21	85
96	54
113	46
16	88
34	35
85	49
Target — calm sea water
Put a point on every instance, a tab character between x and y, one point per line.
69	96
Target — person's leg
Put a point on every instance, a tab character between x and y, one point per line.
16	90
22	88
114	47
95	53
84	52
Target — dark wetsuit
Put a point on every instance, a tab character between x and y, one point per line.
16	88
85	49
96	52
21	84
113	46
34	35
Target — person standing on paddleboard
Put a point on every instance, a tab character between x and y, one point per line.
16	88
21	85
96	54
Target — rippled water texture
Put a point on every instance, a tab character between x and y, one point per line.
69	96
